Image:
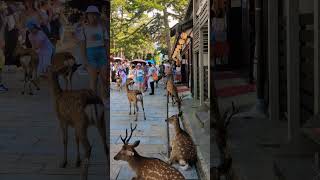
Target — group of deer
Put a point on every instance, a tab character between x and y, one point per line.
183	150
63	62
74	108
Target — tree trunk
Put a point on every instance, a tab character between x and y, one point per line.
167	30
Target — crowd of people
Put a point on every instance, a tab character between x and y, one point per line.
35	24
40	24
145	75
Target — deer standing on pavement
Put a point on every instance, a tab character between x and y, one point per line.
134	96
145	167
65	64
172	91
29	60
78	109
183	149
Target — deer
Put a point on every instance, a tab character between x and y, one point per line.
119	83
29	60
172	91
134	96
145	167
183	150
78	109
65	64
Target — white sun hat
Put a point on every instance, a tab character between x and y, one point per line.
92	9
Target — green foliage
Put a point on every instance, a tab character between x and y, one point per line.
134	32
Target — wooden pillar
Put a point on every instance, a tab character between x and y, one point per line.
293	70
273	62
316	58
201	69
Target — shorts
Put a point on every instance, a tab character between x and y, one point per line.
97	57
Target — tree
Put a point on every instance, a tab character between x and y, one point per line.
136	32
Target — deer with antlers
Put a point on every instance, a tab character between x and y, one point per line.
145	167
134	96
78	109
29	60
65	64
183	149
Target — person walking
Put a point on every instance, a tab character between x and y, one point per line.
139	78
152	74
94	42
41	43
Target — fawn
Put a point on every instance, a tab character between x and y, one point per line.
134	96
65	64
29	60
183	149
145	167
172	91
119	82
78	109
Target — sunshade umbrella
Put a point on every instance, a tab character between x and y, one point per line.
136	61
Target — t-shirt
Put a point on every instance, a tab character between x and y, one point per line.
94	36
151	71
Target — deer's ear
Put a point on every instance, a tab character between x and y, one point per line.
136	143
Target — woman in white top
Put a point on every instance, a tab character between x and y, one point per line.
94	38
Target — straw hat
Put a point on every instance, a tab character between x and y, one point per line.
92	9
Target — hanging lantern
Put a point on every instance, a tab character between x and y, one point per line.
179	47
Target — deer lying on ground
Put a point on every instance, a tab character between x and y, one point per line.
65	64
78	109
183	149
134	96
29	60
145	167
172	91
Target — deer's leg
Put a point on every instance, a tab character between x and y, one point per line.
87	149
136	107
130	108
78	160
34	80
64	129
24	83
102	131
144	115
29	84
66	82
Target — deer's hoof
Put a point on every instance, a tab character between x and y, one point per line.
63	164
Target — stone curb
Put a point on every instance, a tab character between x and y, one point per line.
203	170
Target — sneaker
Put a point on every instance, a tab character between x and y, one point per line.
3	88
151	93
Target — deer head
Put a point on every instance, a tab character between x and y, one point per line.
128	150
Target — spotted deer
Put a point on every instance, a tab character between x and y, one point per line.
78	109
172	91
119	83
183	149
29	61
145	167
134	96
65	64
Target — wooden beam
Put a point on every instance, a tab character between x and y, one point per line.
316	58
273	59
293	71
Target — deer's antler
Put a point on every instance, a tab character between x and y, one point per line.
124	140
132	129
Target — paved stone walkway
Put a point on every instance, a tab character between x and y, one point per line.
30	141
